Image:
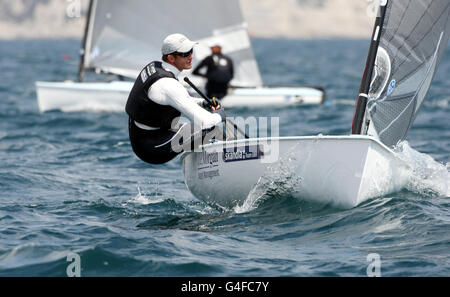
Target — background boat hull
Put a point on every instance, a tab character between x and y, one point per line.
112	96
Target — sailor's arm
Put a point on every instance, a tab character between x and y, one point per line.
174	94
197	69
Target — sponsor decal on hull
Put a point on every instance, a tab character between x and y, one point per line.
242	153
208	165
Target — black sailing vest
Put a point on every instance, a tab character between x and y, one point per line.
145	111
220	69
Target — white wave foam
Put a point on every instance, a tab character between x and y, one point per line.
279	179
383	175
427	176
144	200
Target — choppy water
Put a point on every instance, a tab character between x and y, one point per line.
70	184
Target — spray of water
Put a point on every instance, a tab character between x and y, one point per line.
426	177
142	198
279	179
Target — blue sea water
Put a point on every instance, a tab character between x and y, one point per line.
71	185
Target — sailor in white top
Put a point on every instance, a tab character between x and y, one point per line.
167	91
158	99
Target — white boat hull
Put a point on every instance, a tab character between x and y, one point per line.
73	96
273	96
112	96
339	170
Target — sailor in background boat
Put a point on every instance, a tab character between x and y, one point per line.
219	71
158	99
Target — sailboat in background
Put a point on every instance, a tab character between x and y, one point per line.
407	44
120	38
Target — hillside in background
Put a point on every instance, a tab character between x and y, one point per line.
265	18
310	18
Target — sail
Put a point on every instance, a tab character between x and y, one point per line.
124	36
413	37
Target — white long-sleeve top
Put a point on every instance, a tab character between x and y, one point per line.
168	91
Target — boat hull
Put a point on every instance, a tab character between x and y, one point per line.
112	96
274	96
73	96
339	170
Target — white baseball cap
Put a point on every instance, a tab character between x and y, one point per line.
216	42
176	43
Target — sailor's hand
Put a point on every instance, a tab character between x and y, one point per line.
217	104
217	107
206	104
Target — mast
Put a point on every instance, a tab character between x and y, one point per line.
361	101
83	49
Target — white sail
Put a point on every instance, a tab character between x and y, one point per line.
124	36
413	38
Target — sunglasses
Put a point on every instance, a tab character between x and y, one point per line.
184	55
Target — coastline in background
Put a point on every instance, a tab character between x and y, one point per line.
293	19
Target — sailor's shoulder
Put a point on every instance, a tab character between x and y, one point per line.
168	83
